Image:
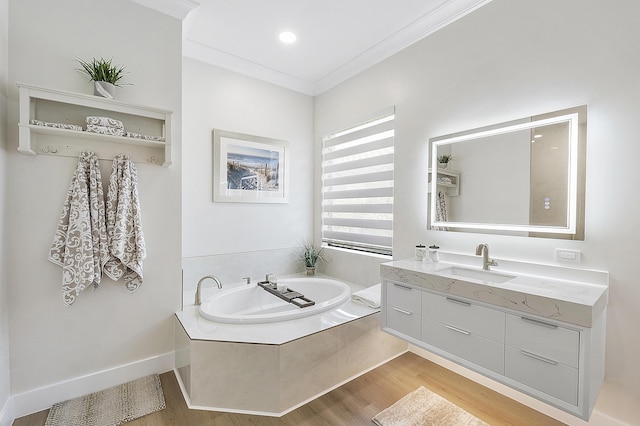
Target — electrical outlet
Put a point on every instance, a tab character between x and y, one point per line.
566	255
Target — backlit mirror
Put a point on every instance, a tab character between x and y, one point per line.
524	177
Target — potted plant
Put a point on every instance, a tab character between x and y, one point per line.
310	255
444	160
104	74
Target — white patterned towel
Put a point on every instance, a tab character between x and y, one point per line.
124	225
56	125
80	242
105	130
146	137
105	121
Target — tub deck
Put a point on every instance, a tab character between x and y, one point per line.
276	333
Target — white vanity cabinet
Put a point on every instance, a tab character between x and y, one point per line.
464	329
403	310
556	362
544	356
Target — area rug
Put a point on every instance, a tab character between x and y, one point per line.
422	408
113	406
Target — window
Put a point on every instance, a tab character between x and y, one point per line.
357	186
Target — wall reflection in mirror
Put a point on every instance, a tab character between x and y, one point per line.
524	177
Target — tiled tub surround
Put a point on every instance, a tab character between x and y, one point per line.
233	267
270	369
540	335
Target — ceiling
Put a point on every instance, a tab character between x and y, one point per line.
336	39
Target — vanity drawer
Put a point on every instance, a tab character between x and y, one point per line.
476	319
555	379
544	339
404	321
404	297
465	344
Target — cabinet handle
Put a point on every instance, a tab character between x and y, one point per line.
538	322
402	311
450	327
404	287
538	357
459	302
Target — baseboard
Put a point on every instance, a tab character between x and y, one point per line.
44	397
6	414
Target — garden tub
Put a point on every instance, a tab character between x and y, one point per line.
252	304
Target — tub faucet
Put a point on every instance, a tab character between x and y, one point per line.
267	279
483	249
198	300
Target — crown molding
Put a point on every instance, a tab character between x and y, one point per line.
438	18
446	13
176	8
206	54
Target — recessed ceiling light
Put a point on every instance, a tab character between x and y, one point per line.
287	37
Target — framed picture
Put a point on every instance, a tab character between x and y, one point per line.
249	169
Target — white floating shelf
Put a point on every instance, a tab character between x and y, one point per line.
55	106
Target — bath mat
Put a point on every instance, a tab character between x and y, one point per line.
113	406
422	408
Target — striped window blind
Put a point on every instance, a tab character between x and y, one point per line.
357	186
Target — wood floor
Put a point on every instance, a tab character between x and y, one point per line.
353	403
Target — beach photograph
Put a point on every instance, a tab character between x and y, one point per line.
252	169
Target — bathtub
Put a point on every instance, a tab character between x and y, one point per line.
251	304
251	360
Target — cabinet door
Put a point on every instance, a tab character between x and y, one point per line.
404	297
404	321
464	344
544	339
453	311
548	376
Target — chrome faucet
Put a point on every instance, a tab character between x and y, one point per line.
198	300
483	249
267	279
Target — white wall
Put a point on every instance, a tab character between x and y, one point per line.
216	98
104	329
4	303
512	59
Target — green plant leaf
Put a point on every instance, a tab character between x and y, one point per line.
102	70
445	158
310	255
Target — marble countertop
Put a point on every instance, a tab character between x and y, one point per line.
575	302
276	333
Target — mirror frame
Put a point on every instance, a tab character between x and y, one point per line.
572	116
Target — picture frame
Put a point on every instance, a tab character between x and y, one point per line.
249	169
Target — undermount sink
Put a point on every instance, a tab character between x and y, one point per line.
479	274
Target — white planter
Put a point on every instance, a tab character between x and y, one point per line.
104	89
